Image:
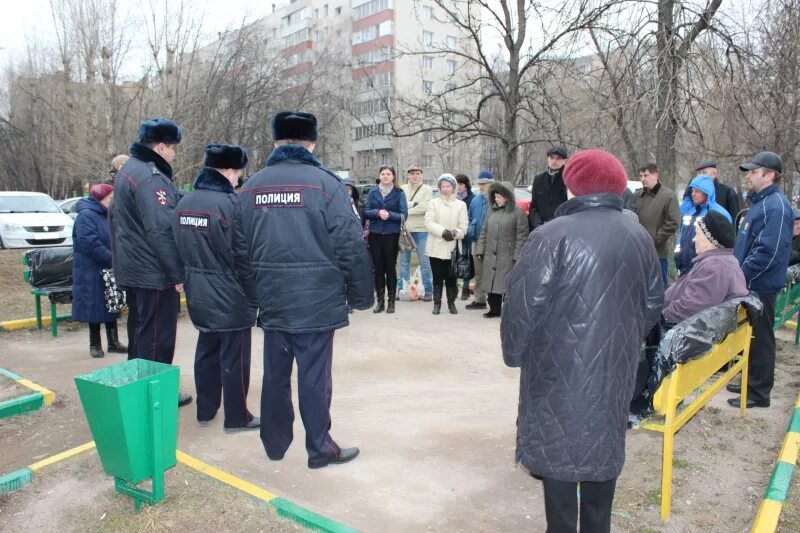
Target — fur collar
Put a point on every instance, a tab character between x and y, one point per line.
211	180
145	154
298	153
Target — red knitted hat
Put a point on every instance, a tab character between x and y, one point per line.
595	172
101	190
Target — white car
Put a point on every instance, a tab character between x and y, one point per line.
32	219
70	206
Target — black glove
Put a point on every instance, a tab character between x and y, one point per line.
447	235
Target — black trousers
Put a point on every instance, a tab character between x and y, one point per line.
761	368
440	271
157	324
384	248
314	355
222	367
561	506
133	323
495	302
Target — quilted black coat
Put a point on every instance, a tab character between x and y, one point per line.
579	302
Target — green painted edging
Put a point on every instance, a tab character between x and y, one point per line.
307	518
10	375
21	404
779	482
15	480
794	423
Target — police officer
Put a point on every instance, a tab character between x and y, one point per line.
217	303
299	252
146	261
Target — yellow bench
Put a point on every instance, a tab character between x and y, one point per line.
683	381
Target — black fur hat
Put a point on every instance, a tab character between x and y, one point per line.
159	130
294	125
225	156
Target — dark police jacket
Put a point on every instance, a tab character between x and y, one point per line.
298	245
204	235
143	206
548	193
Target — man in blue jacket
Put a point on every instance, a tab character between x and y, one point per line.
218	306
299	252
762	248
478	210
146	261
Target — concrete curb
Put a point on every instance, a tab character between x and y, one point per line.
28	402
17	480
781	479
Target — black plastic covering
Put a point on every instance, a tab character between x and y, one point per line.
683	342
50	268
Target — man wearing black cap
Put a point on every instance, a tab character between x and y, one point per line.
218	306
762	248
725	196
146	261
549	190
300	254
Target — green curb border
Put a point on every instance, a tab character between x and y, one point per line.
21	404
15	480
307	518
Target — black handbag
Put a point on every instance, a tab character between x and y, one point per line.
461	265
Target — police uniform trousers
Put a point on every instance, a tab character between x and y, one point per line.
158	323
761	364
222	368
314	354
132	323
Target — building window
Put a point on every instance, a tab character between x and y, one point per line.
451	67
428	13
339	10
370	8
363	132
427	38
427	62
377	55
451	42
427	161
427	86
297	37
373	32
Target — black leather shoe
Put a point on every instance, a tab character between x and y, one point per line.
184	399
736	402
475	305
345	456
96	351
491	315
255	423
735	388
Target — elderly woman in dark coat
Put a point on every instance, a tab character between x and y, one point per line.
584	292
91	254
503	235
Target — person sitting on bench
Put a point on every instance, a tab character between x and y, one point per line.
715	275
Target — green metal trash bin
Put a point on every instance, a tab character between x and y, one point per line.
132	411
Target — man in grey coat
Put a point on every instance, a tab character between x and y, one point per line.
659	213
579	302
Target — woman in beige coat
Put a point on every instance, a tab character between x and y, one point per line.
446	222
503	235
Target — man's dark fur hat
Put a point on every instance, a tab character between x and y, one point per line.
159	130
294	125
225	156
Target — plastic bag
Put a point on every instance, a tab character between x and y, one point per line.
403	290
50	267
416	282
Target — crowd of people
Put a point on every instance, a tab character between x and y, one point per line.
579	283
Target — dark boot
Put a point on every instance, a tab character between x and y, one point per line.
114	346
95	347
391	294
380	291
452	293
437	299
390	305
465	292
495	302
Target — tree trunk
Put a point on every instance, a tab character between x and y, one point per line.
666	121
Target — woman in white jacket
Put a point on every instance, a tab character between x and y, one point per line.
446	222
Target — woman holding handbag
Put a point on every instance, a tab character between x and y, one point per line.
446	221
91	241
385	210
503	235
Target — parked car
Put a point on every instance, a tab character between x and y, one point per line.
634	186
32	219
523	195
70	206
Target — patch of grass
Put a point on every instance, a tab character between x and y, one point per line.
654	497
681	463
710	409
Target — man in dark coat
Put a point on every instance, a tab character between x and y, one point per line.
577	339
548	190
726	196
763	246
146	260
300	254
659	213
794	257
218	306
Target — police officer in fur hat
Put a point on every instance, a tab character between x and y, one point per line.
299	251
146	261
218	306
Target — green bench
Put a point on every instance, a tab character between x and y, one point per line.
57	293
787	306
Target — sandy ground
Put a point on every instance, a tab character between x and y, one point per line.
433	408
